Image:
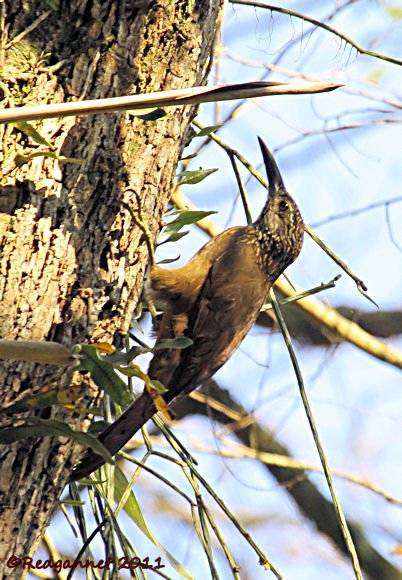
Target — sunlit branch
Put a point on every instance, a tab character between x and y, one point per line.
319	24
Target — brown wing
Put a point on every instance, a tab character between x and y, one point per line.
178	288
227	306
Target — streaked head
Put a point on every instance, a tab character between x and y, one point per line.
280	221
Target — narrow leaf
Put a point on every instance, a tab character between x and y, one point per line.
152	114
30	131
174	238
133	510
119	357
39	351
72	502
169	260
21	159
188	157
186	218
105	376
40	401
192	177
44	427
131	371
159	388
208	130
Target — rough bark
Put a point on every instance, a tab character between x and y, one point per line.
71	258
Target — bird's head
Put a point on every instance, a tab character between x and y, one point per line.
280	223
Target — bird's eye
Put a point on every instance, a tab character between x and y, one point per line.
283	206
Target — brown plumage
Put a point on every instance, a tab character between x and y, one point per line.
214	300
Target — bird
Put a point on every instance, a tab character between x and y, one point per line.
214	299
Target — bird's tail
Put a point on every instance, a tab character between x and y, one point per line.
116	435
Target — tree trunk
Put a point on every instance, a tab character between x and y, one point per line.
72	259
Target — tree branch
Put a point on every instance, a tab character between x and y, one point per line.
319	24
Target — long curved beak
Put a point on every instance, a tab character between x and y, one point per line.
274	175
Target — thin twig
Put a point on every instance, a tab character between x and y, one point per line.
233	566
300	295
308	33
263	559
338	508
242	190
187	459
240	451
346	329
139	220
361	286
355	212
28	29
200	524
319	24
54	554
156	474
231	151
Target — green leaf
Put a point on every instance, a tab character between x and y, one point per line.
47	398
186	218
208	130
172	210
97	427
133	510
174	238
188	157
72	502
192	177
131	506
41	351
39	401
104	375
131	372
168	260
150	114
30	131
159	388
179	343
119	357
21	159
44	427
